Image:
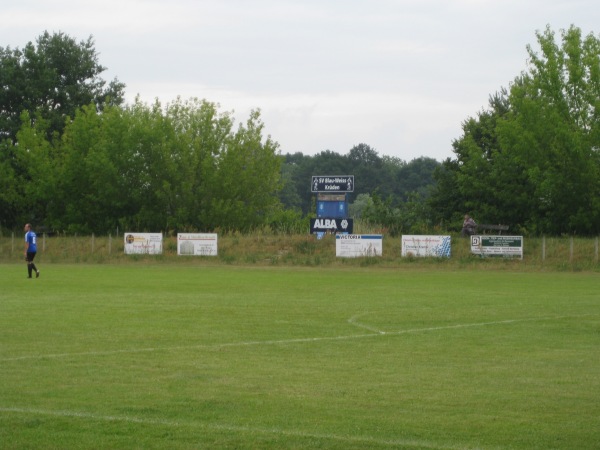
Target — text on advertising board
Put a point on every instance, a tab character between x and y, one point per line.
332	183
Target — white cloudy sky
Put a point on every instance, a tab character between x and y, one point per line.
398	75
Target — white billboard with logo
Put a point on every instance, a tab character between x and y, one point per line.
426	246
143	243
198	244
358	245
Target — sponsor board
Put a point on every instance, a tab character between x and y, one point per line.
358	245
143	243
426	246
332	183
497	246
199	244
331	225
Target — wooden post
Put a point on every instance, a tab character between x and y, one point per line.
93	242
109	244
543	248
571	250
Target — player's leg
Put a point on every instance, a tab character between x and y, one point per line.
37	272
31	266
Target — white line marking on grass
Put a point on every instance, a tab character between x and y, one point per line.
235	428
378	333
460	325
353	321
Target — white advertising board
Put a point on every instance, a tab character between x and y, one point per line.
499	246
199	244
358	245
426	246
143	243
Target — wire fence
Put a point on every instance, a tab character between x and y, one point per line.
560	252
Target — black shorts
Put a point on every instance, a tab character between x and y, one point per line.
30	256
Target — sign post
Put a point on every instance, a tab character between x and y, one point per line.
332	204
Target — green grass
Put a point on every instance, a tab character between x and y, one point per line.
186	356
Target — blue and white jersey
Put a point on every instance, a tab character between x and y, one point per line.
31	239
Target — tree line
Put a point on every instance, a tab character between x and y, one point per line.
74	157
531	159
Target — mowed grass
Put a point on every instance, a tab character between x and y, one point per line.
179	357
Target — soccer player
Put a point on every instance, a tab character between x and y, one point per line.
30	250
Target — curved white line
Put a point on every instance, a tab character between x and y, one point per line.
287	341
352	320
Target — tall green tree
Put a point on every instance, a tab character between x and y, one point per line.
35	161
151	168
52	79
246	181
92	186
553	130
42	87
532	159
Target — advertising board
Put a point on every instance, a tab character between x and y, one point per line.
497	246
358	245
143	243
426	246
331	225
198	244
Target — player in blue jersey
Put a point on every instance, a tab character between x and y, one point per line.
30	250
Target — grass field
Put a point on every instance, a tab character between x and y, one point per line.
190	356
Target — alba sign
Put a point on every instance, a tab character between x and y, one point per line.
331	225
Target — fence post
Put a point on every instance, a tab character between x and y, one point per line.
44	242
543	248
12	243
93	242
571	250
596	250
109	243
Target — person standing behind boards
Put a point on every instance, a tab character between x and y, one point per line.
469	227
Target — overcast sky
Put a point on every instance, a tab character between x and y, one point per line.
398	75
